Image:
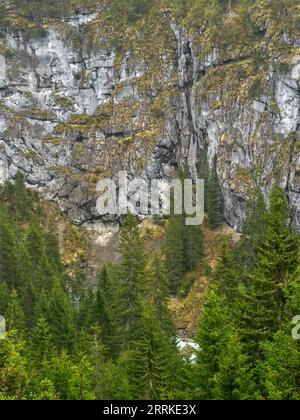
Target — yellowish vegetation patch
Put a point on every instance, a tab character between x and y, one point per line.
188	310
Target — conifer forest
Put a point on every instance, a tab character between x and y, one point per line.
149	308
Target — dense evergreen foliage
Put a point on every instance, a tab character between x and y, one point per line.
183	250
57	349
214	198
245	330
118	341
65	340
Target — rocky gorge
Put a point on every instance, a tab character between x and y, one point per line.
83	98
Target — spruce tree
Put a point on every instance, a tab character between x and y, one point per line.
157	293
115	384
29	299
41	306
52	250
103	308
151	370
211	339
43	273
108	309
85	308
262	301
280	366
253	229
227	274
193	247
62	373
82	380
215	206
183	247
133	276
59	314
234	380
41	344
15	319
204	172
174	252
89	345
14	372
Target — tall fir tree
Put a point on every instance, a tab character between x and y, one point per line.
183	246
151	369
52	250
215	205
211	339
279	367
204	172
84	308
253	229
226	275
14	372
41	344
64	374
104	304
262	302
58	312
234	379
193	247
133	276
157	293
15	320
174	252
42	274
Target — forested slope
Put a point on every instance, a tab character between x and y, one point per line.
118	341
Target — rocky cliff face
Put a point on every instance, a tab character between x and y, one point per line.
75	107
